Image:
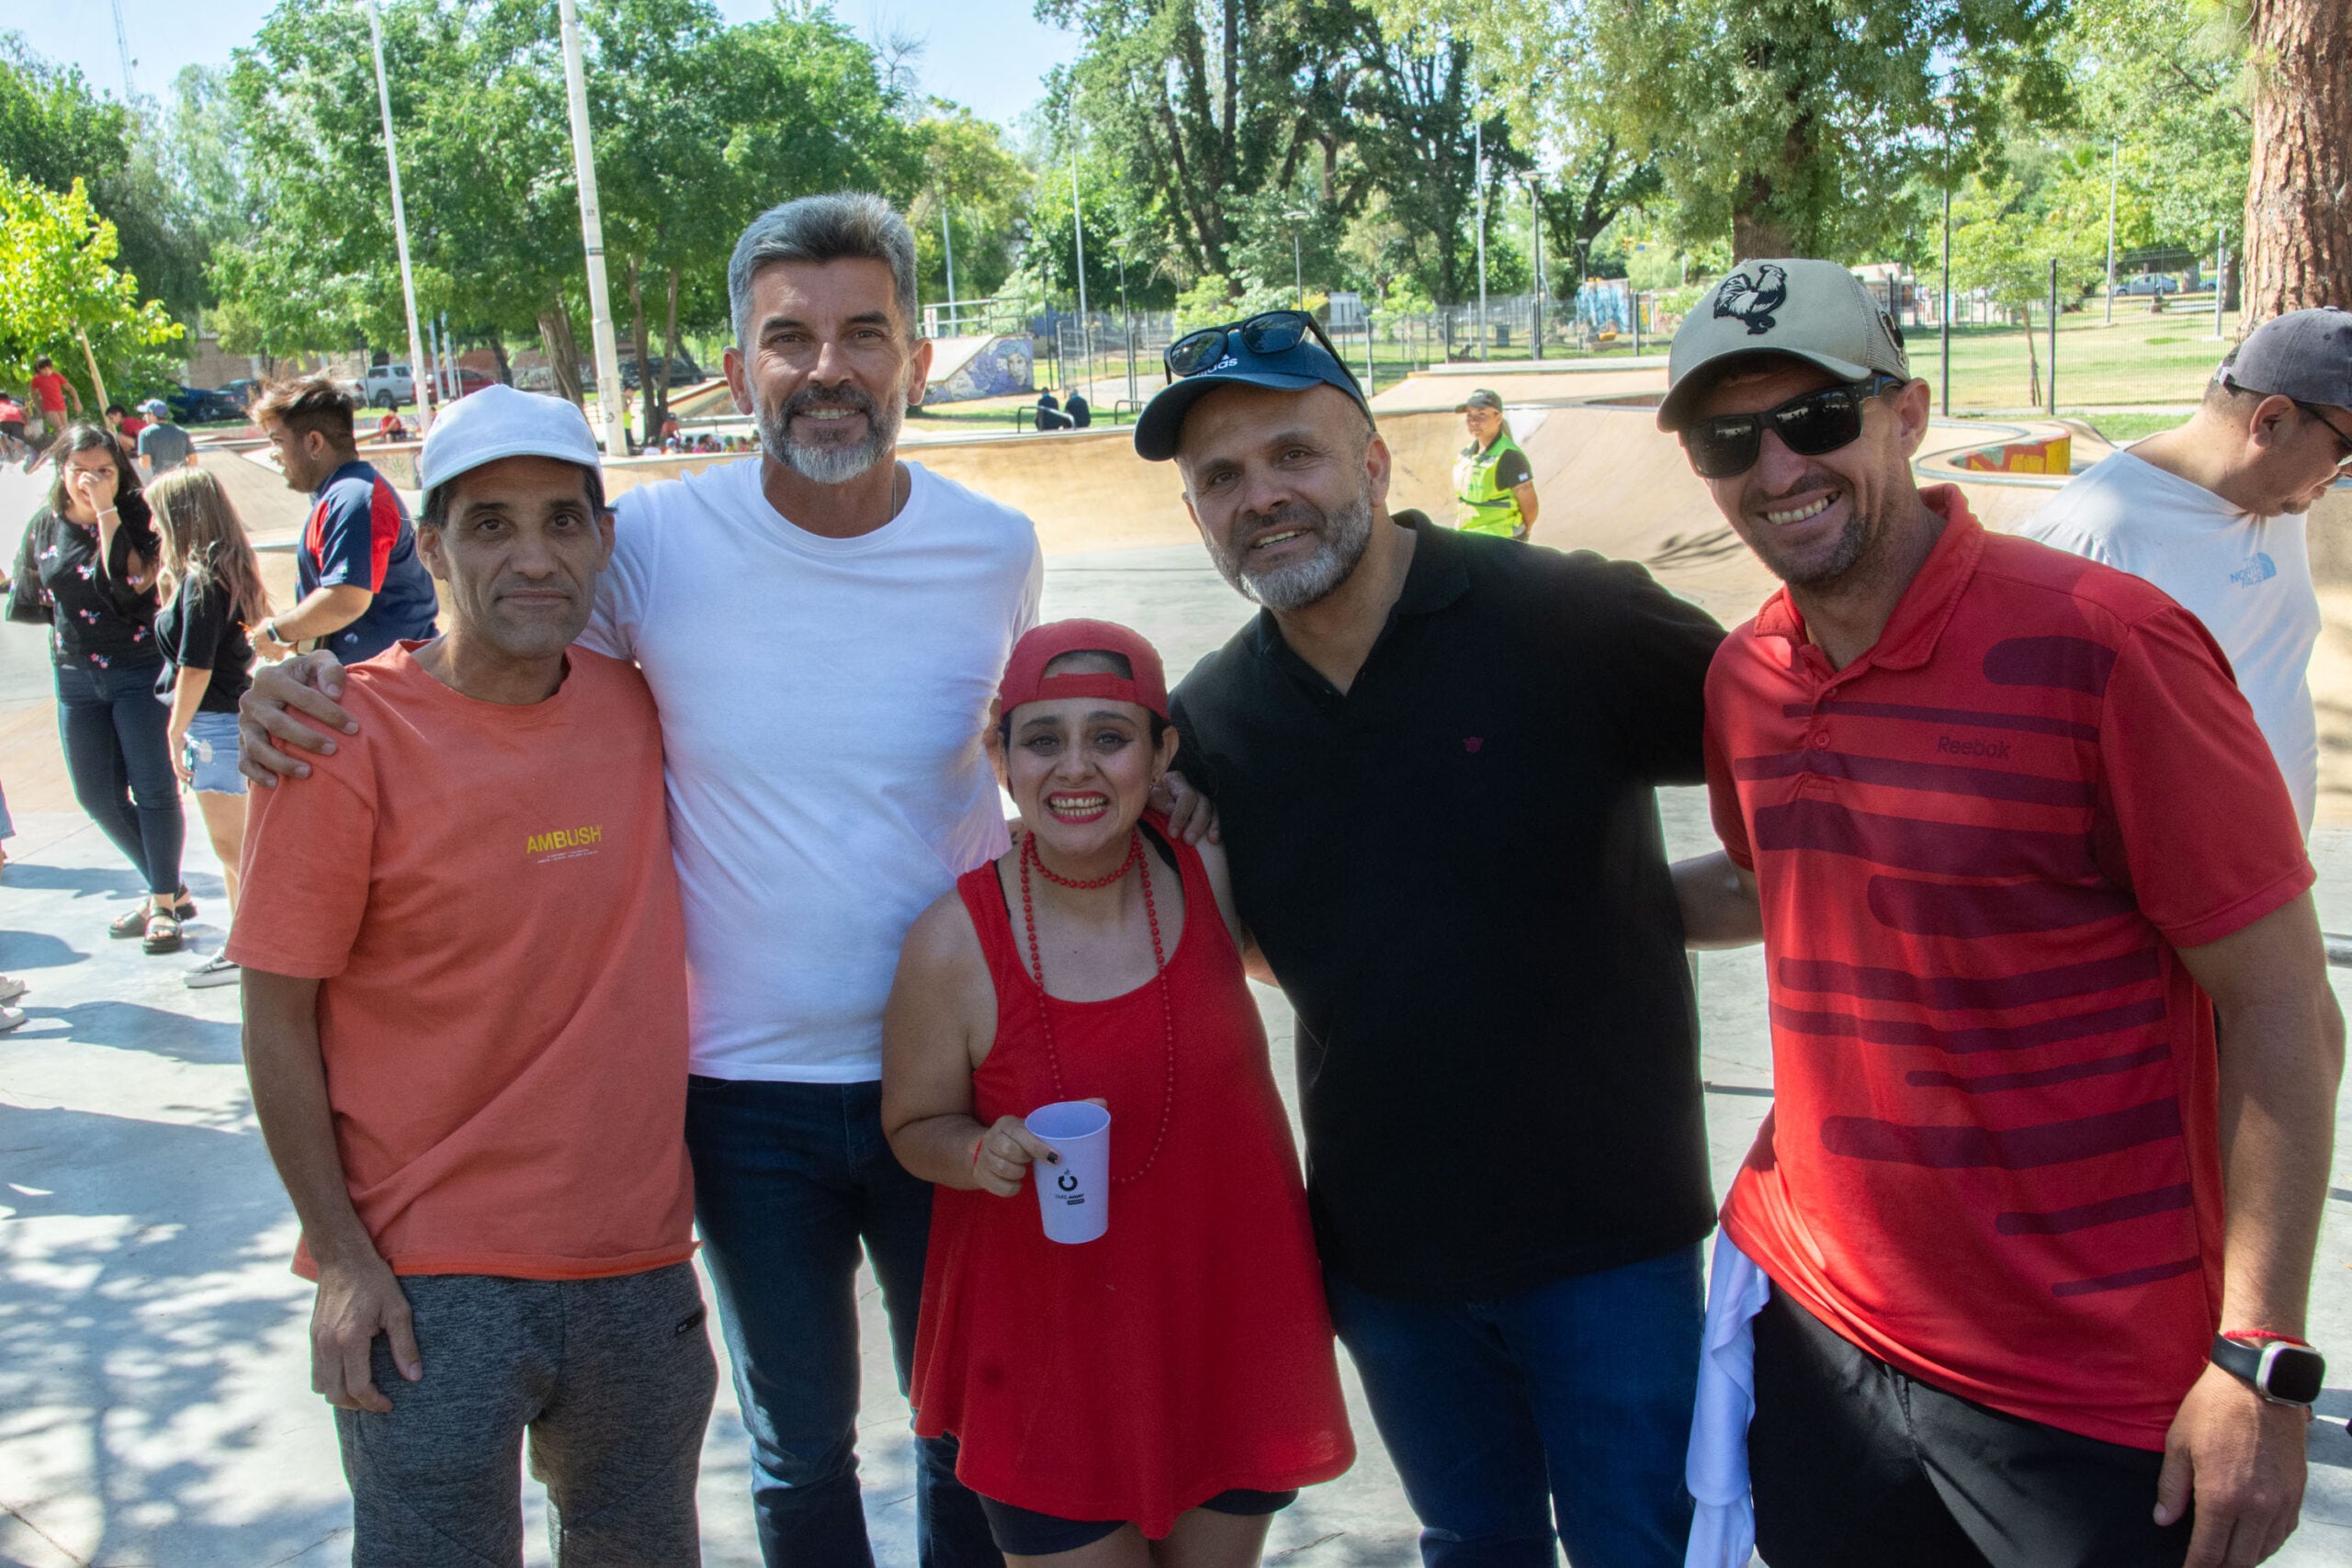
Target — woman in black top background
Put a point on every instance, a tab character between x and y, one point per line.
212	591
87	568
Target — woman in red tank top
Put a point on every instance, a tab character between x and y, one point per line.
1153	1395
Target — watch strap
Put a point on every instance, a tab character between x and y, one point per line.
2252	1363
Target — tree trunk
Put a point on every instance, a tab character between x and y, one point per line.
505	366
669	343
2299	190
649	430
2033	365
562	350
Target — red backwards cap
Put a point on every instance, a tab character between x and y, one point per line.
1025	680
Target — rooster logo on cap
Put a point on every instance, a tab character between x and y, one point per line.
1754	302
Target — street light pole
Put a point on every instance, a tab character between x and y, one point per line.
1078	230
400	225
1944	315
1536	224
591	235
2114	176
1478	144
947	241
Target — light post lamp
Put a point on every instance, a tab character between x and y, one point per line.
400	225
609	398
1478	173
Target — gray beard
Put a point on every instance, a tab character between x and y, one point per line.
831	464
1344	535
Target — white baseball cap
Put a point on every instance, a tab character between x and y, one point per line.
499	422
1803	308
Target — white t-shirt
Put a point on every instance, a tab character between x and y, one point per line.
2248	577
821	703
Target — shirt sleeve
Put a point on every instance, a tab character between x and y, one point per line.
310	845
347	538
203	617
625	587
1657	651
1511	471
1191	760
2195	818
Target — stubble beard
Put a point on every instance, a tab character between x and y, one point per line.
1345	534
831	463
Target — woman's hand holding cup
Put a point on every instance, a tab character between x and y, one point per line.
1005	1153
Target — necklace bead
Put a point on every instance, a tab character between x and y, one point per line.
1160	976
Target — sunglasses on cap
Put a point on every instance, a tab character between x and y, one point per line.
1725	446
1271	331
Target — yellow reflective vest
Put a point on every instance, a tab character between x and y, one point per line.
1483	505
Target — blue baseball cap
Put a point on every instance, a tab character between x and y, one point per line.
1159	428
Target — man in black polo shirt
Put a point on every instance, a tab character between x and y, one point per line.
1434	757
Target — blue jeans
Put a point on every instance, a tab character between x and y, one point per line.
116	735
1564	1406
789	1179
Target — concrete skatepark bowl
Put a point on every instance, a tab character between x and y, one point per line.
154	1399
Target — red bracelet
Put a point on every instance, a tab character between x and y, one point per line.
2263	1333
978	1144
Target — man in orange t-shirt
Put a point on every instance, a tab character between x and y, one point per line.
466	1027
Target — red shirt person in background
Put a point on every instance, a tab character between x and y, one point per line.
51	390
2014	846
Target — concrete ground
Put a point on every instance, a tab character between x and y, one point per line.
154	1403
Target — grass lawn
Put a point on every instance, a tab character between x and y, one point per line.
2121	429
2139	359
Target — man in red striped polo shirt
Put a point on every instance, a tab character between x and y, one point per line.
2038	1253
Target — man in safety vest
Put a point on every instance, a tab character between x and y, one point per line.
1494	488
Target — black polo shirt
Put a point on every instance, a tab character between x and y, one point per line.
1457	872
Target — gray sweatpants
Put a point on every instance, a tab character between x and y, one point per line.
612	1378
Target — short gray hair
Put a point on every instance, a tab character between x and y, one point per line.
845	225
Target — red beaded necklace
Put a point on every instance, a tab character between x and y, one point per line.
1030	856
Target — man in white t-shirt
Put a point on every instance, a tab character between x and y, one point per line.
2213	513
822	630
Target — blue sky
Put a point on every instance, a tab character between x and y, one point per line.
988	54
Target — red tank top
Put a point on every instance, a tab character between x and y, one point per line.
1188	1351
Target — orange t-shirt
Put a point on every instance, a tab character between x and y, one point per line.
486	892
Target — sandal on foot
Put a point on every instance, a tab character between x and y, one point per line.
163	934
135	923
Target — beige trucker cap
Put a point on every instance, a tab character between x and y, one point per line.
1812	311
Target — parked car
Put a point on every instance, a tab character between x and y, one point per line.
191	405
240	392
385	386
683	371
2150	283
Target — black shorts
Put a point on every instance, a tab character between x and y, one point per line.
1019	1532
14	429
1856	1465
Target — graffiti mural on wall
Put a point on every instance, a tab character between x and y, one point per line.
963	368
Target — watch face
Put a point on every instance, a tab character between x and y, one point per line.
2295	1374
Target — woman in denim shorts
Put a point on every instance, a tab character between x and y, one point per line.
212	591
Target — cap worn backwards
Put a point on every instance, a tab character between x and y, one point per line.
497	422
1025	680
1812	310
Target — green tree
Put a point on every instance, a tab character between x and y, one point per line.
974	180
1796	127
59	286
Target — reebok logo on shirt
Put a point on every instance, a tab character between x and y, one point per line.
562	843
1954	745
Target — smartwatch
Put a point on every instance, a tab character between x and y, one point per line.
2280	1372
269	630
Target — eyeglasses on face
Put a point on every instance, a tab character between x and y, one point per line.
1815	422
2343	442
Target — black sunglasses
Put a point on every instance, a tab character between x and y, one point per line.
1725	446
2344	461
1271	331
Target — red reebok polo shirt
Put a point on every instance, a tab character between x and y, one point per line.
1994	1159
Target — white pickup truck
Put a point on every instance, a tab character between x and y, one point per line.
385	386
